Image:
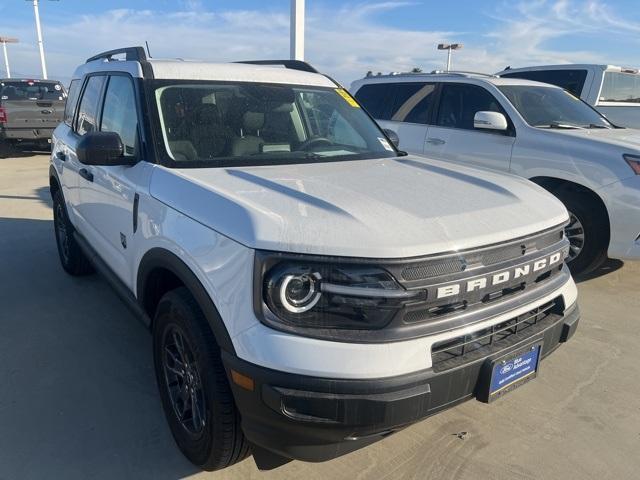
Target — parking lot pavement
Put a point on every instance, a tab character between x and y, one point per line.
78	397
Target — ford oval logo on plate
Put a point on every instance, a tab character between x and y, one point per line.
507	368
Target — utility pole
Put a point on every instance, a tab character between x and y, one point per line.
296	30
4	41
40	43
448	47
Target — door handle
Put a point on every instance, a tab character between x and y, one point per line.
435	141
61	156
86	174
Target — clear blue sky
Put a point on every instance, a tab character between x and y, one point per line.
344	38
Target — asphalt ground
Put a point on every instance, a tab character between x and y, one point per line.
78	398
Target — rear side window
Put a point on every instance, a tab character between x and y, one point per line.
72	101
460	102
375	99
119	113
620	87
88	112
411	102
398	102
570	80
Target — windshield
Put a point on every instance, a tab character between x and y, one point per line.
620	87
31	90
225	124
548	107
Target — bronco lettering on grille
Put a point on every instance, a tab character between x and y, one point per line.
480	283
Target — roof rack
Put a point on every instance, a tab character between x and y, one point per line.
131	54
291	64
461	73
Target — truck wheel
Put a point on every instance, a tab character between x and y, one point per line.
587	231
71	255
194	389
5	148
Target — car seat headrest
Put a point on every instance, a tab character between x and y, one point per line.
253	121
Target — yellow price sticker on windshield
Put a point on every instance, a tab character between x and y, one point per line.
350	100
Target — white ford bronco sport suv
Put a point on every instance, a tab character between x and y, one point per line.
310	288
531	129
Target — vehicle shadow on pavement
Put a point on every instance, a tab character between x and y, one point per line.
42	194
78	397
609	266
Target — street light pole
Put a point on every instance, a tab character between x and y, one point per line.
4	41
296	30
6	60
40	43
448	47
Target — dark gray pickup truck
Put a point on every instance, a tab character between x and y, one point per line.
30	110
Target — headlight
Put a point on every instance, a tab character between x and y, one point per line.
633	161
299	292
326	295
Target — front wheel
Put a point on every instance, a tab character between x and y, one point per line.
194	389
587	231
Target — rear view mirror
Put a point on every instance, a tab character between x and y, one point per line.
393	136
490	121
102	148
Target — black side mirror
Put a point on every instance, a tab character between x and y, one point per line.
102	148
393	136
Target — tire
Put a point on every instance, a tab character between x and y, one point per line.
72	257
6	148
212	438
588	231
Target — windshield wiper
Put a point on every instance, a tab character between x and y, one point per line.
564	126
595	125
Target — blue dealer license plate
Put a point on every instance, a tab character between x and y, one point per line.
508	373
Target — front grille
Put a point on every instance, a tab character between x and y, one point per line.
483	258
434	312
435	269
465	348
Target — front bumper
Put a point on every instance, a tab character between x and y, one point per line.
623	205
316	419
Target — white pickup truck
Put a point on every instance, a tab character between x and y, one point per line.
613	91
310	288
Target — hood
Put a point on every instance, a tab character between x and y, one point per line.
621	137
386	208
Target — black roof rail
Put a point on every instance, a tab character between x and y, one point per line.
480	74
461	73
131	54
292	64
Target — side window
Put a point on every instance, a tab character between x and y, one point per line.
375	98
570	80
119	113
72	101
460	102
88	112
411	102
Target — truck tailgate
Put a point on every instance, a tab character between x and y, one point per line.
29	113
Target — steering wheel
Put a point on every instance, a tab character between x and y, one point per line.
314	141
